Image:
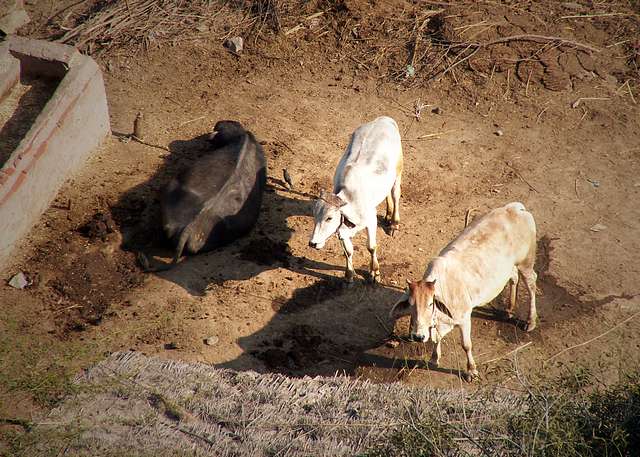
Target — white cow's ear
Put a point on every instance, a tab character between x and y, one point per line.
332	199
402	308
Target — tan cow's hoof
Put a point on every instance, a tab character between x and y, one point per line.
374	277
433	363
469	376
393	228
531	326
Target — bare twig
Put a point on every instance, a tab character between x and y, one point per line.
592	339
467	217
519	348
535	38
587	16
192	120
521	177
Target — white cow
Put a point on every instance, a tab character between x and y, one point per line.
369	171
471	271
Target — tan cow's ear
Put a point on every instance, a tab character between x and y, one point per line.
402	308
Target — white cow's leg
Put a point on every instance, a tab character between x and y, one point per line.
435	355
389	214
372	247
530	278
465	331
395	195
513	292
347	247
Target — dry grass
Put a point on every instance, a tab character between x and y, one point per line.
133	405
408	44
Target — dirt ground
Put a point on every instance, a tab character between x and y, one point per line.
502	126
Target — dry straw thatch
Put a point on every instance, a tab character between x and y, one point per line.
134	405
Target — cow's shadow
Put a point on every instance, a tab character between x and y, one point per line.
320	330
137	214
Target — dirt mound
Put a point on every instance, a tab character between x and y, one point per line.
99	226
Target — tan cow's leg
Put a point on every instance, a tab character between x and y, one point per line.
513	292
465	331
372	247
347	247
530	278
435	355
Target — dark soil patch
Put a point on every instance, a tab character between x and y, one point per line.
316	293
87	284
301	347
265	251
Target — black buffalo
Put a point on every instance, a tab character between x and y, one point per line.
217	199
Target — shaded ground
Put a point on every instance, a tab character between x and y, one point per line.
273	304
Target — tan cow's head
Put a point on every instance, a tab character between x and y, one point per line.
417	302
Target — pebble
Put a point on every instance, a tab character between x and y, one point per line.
211	341
235	44
437	110
598	228
392	343
499	132
19	281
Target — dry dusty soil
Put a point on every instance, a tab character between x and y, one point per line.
502	125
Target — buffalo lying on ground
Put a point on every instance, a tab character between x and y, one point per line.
218	198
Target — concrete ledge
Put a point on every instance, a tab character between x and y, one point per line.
72	124
9	70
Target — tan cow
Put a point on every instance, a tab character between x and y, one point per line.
471	271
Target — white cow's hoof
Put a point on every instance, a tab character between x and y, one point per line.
374	277
469	376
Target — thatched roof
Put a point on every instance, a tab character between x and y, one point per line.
131	404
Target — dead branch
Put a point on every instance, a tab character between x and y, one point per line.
535	38
592	339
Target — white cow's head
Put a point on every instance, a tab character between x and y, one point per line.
418	302
328	218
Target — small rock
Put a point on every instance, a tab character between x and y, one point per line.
211	341
235	44
410	71
499	132
19	281
171	345
392	343
598	228
437	110
594	182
